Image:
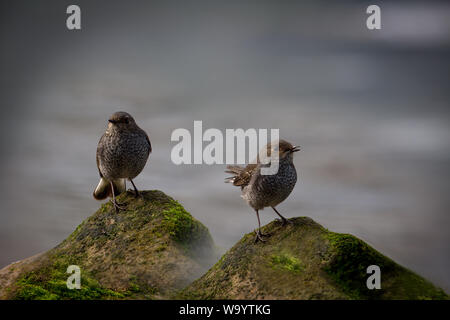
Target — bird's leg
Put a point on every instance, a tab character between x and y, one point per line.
259	234
284	221
136	192
117	206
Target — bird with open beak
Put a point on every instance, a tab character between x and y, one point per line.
260	190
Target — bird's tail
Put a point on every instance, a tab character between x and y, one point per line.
235	171
104	190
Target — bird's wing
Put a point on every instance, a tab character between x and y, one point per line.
149	144
99	153
242	176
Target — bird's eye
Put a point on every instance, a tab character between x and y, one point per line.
126	120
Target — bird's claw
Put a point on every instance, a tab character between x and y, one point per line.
118	206
136	194
284	221
259	236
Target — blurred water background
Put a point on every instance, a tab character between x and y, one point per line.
369	108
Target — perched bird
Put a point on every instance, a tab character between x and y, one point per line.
122	153
262	191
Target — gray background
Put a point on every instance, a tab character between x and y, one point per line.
369	108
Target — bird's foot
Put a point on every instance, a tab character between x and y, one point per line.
118	206
284	221
136	194
260	235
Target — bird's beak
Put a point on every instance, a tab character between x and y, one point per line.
111	121
295	149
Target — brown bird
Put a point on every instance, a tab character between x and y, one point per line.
262	191
122	153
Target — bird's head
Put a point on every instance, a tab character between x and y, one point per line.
283	148
121	119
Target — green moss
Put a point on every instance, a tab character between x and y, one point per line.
33	292
161	248
153	239
351	257
348	268
49	283
177	221
286	261
182	227
305	261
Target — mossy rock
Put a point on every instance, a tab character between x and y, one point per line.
155	248
303	260
148	251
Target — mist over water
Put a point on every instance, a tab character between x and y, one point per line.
370	110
